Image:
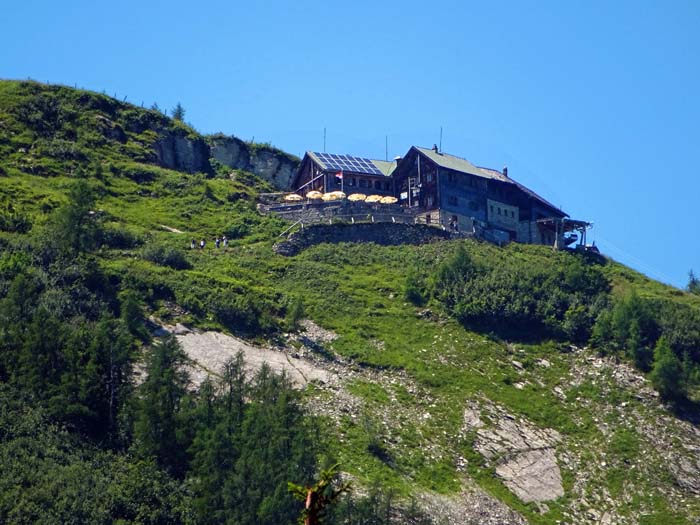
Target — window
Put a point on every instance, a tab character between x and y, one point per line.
492	209
363	183
351	182
429	177
377	185
451	177
512	214
499	211
429	201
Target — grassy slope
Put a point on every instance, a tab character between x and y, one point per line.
357	292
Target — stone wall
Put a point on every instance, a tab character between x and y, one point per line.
384	234
266	162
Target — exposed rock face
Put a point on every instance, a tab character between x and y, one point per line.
384	234
110	129
179	152
266	162
525	456
210	350
472	506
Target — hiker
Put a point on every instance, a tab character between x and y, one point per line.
217	242
225	242
202	244
193	244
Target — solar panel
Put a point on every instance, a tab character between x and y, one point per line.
348	163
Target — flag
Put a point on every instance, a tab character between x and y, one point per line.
339	174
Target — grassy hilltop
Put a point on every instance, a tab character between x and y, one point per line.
453	361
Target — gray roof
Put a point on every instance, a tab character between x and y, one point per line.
498	175
451	162
445	160
386	167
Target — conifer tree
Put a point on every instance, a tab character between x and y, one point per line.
693	283
178	112
156	427
74	229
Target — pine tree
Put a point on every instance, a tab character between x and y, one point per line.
156	427
693	283
178	112
74	229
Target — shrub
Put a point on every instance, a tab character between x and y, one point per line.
14	222
295	313
241	312
666	376
237	230
413	289
512	297
165	256
116	237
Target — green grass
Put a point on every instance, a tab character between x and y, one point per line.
355	290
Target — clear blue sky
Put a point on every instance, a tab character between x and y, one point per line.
593	104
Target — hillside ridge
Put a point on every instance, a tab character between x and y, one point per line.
453	381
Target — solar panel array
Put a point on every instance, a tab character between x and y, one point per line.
348	163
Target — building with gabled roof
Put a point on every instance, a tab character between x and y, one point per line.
443	189
456	193
328	172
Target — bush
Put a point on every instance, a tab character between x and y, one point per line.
511	297
238	229
413	289
294	314
241	312
630	326
165	256
666	376
14	222
116	237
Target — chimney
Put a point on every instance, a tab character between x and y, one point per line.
505	171
435	148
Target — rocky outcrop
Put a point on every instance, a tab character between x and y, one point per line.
384	234
268	163
180	152
524	456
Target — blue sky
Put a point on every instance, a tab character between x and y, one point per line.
593	104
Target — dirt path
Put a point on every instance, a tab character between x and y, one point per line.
170	229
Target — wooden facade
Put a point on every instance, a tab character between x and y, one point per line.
315	174
445	190
469	197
